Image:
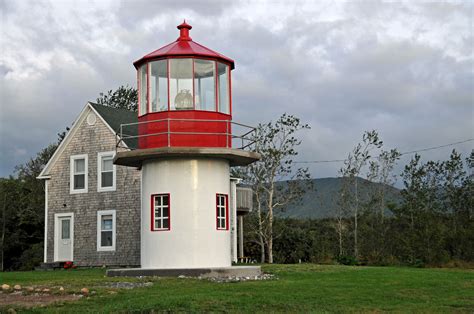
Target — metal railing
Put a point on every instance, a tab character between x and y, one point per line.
128	136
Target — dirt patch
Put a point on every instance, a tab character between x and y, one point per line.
34	300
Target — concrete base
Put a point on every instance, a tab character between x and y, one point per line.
222	272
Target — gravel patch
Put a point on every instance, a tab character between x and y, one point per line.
233	278
127	285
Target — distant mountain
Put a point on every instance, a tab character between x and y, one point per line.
321	202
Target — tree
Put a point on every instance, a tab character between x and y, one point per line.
352	168
276	143
380	172
124	97
22	218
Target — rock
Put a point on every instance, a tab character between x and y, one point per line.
61	289
30	289
5	287
181	276
85	291
46	290
38	290
17	287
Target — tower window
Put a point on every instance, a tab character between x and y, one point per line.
222	212
160	212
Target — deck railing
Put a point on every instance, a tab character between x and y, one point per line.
237	135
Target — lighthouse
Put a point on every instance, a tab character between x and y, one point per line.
185	144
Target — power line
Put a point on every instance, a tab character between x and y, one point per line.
401	154
436	147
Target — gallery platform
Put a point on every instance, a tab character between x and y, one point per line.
135	158
221	272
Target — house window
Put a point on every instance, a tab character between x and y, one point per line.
106	230
78	175
160	212
222	212
105	172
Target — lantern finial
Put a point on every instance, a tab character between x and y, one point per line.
184	31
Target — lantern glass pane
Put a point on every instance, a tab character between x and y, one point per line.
181	84
143	93
223	77
159	85
204	85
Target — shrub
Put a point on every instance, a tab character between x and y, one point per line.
347	260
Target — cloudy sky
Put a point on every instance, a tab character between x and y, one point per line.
402	68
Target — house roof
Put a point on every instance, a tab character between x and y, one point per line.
112	117
184	46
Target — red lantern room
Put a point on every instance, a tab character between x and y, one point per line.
184	97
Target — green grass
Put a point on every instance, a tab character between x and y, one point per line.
299	288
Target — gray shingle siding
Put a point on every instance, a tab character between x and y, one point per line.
125	200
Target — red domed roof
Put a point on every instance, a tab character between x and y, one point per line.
184	46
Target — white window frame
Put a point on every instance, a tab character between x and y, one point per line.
71	174
101	213
225	197
162	217
99	172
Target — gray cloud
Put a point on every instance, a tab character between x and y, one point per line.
401	68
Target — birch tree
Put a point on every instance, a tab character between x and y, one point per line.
355	161
276	142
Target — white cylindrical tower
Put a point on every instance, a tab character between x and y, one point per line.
180	219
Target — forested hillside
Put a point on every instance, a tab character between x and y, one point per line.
323	199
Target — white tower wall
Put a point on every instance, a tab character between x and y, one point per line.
193	240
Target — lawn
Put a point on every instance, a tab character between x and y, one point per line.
299	288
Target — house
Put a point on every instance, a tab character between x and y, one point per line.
92	207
